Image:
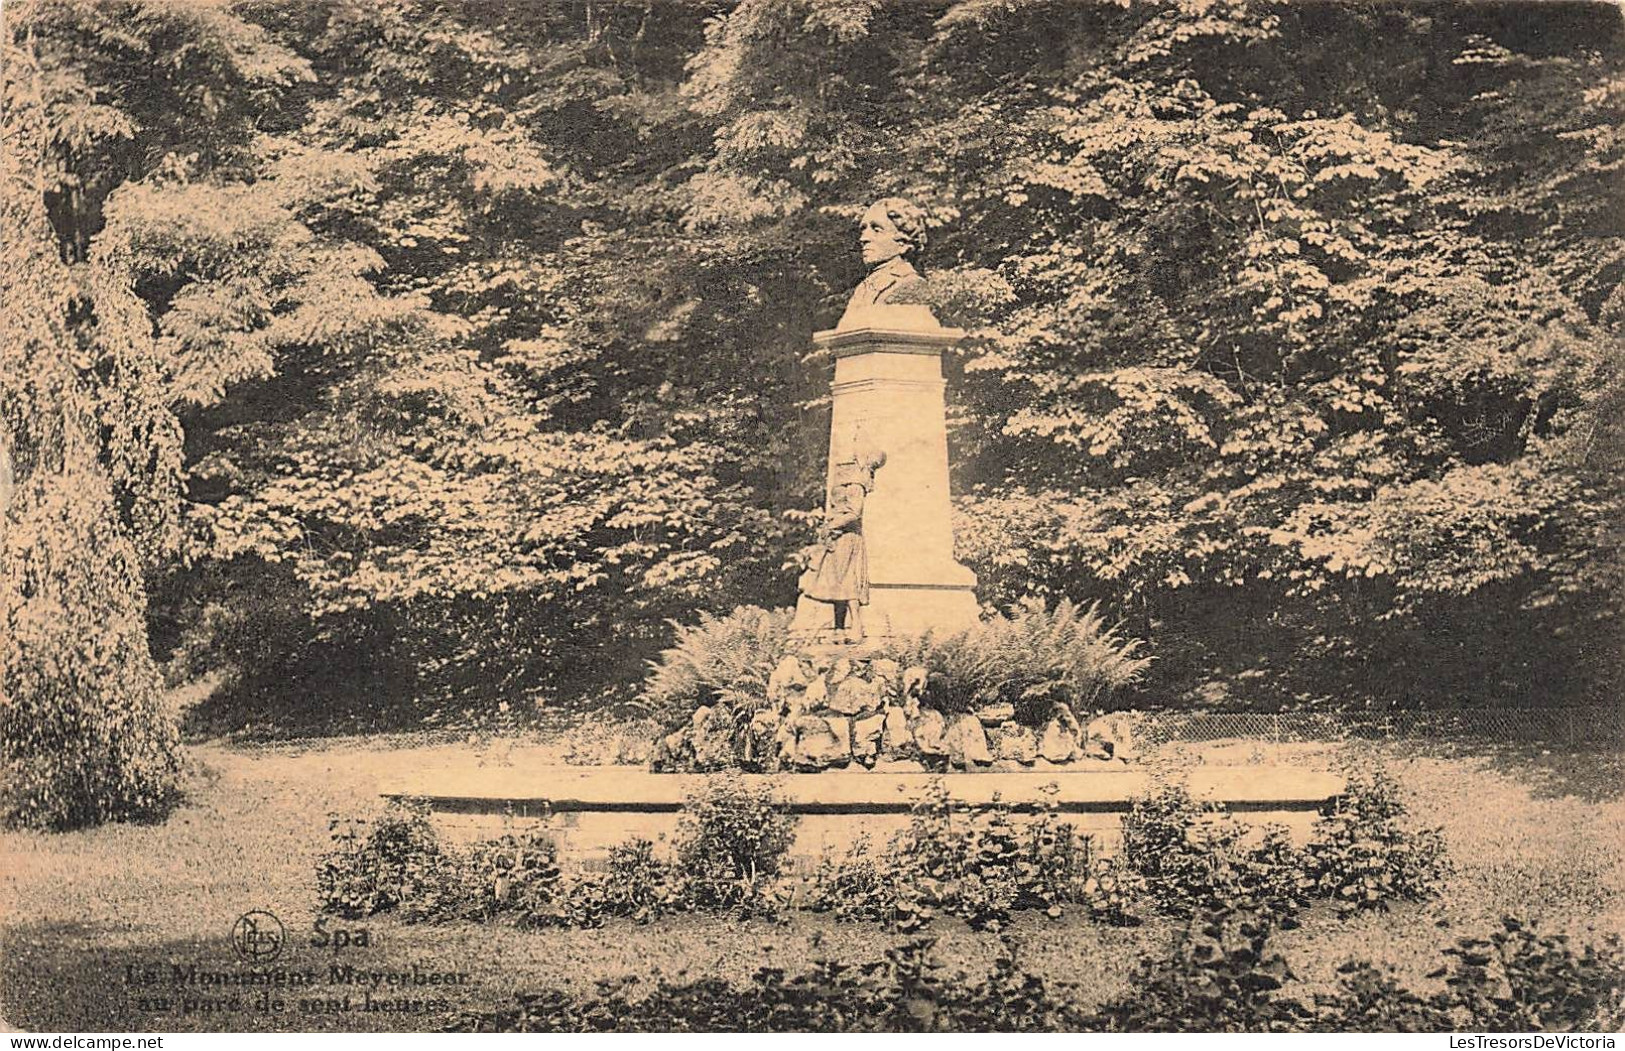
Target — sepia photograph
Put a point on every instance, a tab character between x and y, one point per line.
811	516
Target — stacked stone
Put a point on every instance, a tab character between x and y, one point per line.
826	710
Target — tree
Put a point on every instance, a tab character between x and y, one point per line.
85	734
488	328
87	394
512	493
1279	351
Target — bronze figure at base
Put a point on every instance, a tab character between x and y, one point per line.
838	567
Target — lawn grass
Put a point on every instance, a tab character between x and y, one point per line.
1541	834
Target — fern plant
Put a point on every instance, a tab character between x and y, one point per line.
728	659
1032	658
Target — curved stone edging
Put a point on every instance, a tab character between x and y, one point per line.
567	789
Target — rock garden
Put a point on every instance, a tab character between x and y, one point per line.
1017	693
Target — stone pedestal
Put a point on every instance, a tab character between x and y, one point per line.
888	394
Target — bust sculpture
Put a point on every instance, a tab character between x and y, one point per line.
892	233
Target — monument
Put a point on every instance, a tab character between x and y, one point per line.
883	567
888	407
853	689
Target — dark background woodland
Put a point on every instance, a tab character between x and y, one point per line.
402	358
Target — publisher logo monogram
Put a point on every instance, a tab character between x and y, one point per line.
258	936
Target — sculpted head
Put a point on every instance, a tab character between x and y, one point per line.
892	227
859	465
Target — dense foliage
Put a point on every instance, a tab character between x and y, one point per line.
907	991
87	458
381	865
973	862
1220	975
977	862
727	857
1364	853
485	325
1179	857
725	660
731	842
1032	658
1196	858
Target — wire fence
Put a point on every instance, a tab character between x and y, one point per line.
1561	726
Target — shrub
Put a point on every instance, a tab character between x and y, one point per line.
974	862
1033	658
1518	980
635	885
1187	857
1362	856
397	864
516	872
85	733
1113	892
1160	826
378	866
1194	857
862	886
721	659
1370	1001
1053	861
731	842
1220	977
90	490
905	991
968	861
